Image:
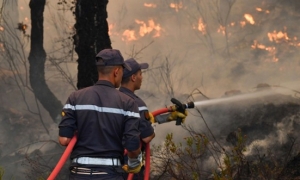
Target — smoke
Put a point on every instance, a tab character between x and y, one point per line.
213	46
209	58
210	45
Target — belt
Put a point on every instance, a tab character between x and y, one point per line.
98	161
86	171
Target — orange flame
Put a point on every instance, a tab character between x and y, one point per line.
201	26
144	29
272	50
110	27
221	29
257	45
176	6
261	10
128	35
249	18
282	37
278	37
243	23
149	5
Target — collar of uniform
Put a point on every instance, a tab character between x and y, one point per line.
105	83
127	91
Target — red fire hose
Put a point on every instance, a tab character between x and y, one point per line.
147	149
63	158
70	146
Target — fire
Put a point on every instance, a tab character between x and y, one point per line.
176	6
128	35
201	26
110	27
282	37
249	18
272	50
243	23
221	29
256	45
261	10
278	37
144	29
149	5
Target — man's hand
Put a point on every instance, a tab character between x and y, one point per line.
134	164
64	141
134	170
175	114
151	118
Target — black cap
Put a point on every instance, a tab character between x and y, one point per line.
135	66
111	57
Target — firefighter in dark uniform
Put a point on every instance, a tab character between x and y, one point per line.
132	81
106	121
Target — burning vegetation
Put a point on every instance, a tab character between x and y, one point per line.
253	138
230	44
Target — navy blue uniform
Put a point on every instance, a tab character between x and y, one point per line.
145	127
104	118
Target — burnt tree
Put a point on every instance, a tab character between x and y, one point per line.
37	59
91	37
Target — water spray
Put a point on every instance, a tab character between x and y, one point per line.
235	98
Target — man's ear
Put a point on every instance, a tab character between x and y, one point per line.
133	78
116	71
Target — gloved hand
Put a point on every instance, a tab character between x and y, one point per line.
175	114
151	118
134	165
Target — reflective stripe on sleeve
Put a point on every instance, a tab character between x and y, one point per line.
69	106
102	109
143	108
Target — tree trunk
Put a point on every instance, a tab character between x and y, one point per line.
91	37
37	58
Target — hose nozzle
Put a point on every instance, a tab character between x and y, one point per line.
189	105
181	108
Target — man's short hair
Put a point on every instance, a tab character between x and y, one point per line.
105	69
